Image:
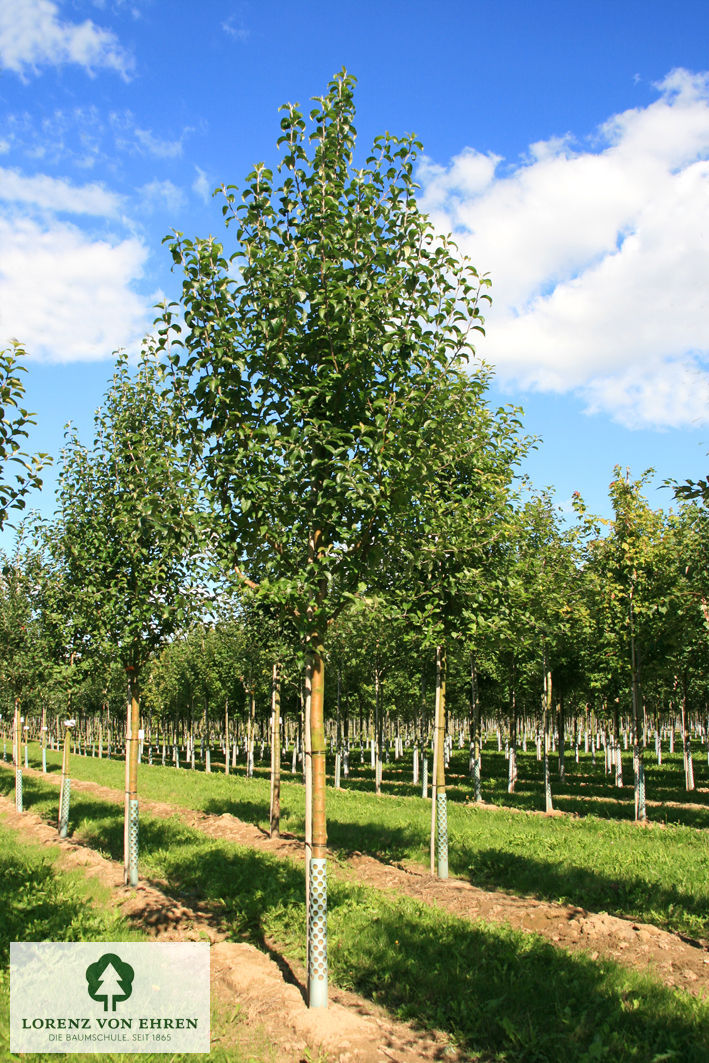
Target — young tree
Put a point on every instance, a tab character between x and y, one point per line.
128	520
313	353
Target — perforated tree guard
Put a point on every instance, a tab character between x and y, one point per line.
64	808
442	835
18	789
317	926
132	843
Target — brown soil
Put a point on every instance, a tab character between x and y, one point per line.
354	1029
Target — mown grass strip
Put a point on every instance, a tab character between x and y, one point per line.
501	994
41	903
658	875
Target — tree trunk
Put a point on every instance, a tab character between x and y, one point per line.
275	816
317	870
16	755
65	786
512	764
441	810
378	730
638	766
130	829
477	738
546	714
44	739
561	727
227	749
686	740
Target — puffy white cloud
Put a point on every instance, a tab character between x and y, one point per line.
599	255
67	269
56	195
161	148
33	35
132	138
234	26
67	296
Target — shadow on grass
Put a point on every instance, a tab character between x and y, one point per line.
589	888
480	984
249	811
376	839
38	906
505	995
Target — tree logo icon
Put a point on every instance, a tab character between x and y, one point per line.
110	980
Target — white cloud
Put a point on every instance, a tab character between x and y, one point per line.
234	27
163	149
162	195
201	186
599	256
32	35
66	292
56	195
130	137
67	296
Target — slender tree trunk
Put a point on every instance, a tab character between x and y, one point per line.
686	740
44	738
317	871
434	771
16	755
227	748
130	829
561	726
477	737
512	763
378	730
441	809
546	715
638	766
275	816
65	787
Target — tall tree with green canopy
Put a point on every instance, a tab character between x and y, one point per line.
128	522
630	584
314	352
439	568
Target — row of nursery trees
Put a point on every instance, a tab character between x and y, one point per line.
303	473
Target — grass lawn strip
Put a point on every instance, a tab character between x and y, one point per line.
482	984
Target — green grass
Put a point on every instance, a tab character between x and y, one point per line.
41	903
658	875
501	995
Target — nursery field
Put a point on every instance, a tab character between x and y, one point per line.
575	936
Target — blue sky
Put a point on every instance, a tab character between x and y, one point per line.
565	143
